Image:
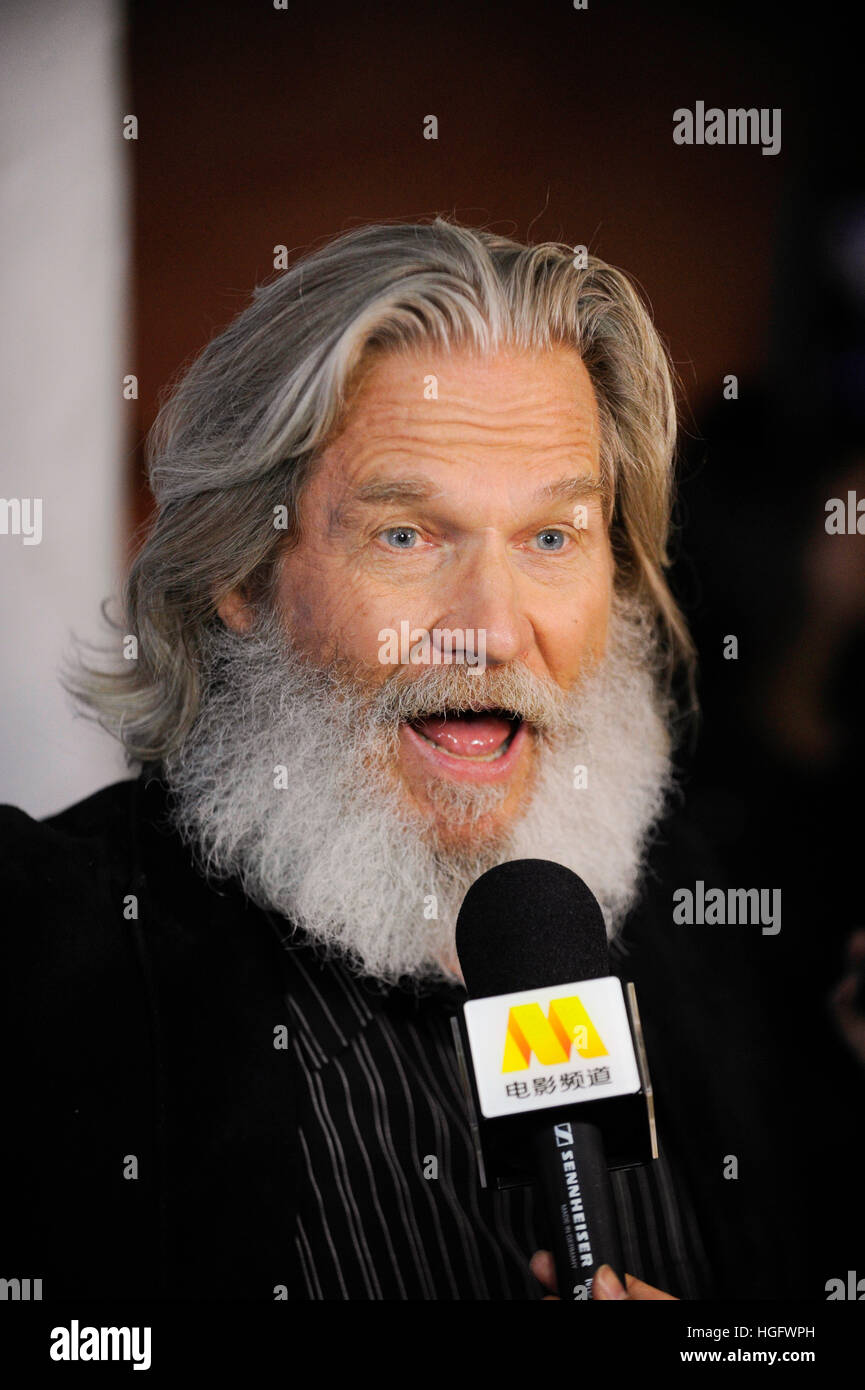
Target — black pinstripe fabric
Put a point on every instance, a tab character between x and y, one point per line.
390	1206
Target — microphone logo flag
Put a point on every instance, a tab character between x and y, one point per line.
550	1037
558	1045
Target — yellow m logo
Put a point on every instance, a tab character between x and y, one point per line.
551	1039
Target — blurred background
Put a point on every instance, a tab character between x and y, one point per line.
260	126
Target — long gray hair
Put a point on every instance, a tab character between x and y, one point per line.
240	434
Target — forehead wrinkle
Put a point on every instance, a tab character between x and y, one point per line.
427	447
400	400
382	425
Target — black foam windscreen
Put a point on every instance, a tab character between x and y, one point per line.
527	924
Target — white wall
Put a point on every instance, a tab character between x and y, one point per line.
64	245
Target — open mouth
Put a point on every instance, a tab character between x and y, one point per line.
479	736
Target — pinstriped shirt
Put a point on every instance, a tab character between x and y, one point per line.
389	1203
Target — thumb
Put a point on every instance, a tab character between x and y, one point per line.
607	1284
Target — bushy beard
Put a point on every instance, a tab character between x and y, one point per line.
288	782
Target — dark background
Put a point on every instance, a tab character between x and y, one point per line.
261	127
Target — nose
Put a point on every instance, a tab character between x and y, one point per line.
484	597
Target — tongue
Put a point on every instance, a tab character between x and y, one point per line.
469	736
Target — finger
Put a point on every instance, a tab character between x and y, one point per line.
606	1284
542	1267
637	1290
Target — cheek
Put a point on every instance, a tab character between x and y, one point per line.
305	600
600	616
325	615
578	631
598	630
592	625
299	606
600	603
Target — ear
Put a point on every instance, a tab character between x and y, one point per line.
234	610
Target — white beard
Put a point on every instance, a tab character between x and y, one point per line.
337	847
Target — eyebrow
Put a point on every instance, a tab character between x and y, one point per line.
420	490
399	490
572	489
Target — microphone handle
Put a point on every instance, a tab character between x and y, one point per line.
578	1197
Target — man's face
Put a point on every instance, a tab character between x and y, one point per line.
359	799
478	511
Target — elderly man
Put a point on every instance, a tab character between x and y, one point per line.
401	616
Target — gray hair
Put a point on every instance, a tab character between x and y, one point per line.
241	432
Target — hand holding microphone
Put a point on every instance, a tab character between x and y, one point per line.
553	1063
607	1284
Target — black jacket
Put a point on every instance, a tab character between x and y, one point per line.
139	1013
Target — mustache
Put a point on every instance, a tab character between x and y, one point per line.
409	693
512	689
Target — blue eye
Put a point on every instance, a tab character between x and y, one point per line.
402	537
557	539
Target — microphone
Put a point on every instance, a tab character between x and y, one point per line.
552	1058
